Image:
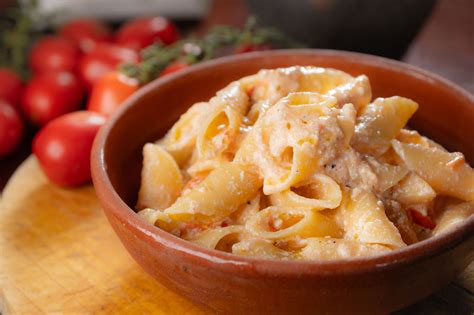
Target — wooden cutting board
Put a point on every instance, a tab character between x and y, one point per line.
59	255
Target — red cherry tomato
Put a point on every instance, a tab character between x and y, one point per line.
422	220
142	32
50	95
11	128
10	86
102	60
248	47
63	147
54	54
173	67
110	92
86	33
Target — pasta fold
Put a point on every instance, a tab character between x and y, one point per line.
379	123
365	221
318	193
433	165
218	195
162	181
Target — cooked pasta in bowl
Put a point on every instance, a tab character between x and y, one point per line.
302	163
292	181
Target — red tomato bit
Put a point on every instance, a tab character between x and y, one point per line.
421	220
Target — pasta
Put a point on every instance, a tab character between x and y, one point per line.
336	248
162	181
379	122
218	195
222	238
365	220
318	193
448	173
414	190
180	141
285	222
300	163
454	215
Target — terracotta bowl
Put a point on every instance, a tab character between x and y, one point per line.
234	284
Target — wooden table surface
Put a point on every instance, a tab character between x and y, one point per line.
445	45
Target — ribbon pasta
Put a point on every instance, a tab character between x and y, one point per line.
299	163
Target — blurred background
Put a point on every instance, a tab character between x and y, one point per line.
437	35
379	27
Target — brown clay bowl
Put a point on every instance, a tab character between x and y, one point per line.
233	284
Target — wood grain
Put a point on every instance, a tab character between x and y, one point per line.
59	255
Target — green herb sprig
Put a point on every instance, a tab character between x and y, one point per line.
192	50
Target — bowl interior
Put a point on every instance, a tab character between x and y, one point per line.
446	112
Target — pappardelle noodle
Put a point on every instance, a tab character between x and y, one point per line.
301	163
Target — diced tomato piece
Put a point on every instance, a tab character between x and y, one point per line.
422	220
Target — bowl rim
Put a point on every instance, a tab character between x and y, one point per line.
250	266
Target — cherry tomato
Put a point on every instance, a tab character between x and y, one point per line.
50	95
86	33
10	86
422	220
110	92
173	67
11	128
63	147
248	47
142	32
102	60
54	54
